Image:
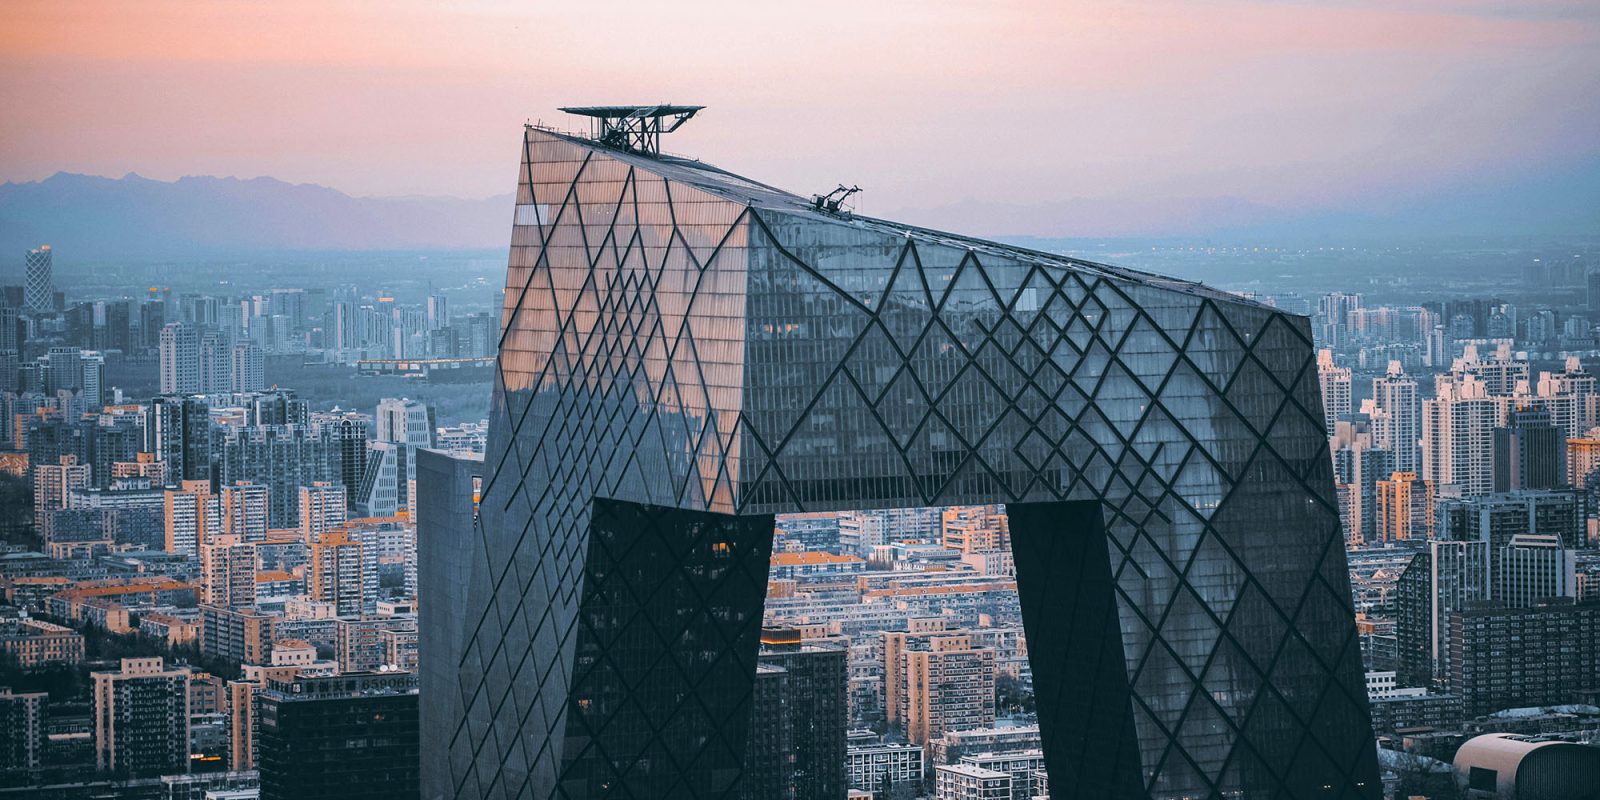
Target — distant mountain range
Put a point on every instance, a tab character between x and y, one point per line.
133	218
136	218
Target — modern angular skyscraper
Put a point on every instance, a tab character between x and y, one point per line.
686	352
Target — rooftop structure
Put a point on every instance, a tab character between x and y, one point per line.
636	128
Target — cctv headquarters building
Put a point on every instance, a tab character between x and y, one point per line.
686	353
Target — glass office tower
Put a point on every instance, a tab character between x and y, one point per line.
686	352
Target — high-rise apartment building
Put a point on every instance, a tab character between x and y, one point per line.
1358	466
339	573
1593	281
1405	508
22	732
282	458
237	634
228	572
247	371
947	687
438	311
1501	374
365	644
245	511
54	484
1333	316
193	515
38	288
244	723
346	737
214	361
1336	389
70	369
180	359
1397	423
141	718
1447	577
767	771
322	509
178	430
1457	436
1583	459
1570	396
630	461
244	712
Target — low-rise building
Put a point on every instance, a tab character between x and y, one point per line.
875	766
174	630
966	782
237	634
32	643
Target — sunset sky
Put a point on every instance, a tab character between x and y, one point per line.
1113	113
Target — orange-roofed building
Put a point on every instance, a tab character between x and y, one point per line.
811	564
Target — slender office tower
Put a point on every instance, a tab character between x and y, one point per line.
686	352
38	289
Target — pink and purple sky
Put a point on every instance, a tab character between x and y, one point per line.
1114	114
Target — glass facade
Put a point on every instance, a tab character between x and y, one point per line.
685	352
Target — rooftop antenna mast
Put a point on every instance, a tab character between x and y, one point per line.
636	128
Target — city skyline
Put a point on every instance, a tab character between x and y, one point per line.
1122	399
1118	118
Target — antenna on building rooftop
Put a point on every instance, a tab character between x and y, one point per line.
636	128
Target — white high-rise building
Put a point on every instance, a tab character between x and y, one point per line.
38	291
180	359
246	372
213	362
1458	435
1397	418
1570	397
1336	389
1501	374
405	421
403	425
438	312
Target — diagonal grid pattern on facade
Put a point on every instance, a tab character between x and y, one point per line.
683	341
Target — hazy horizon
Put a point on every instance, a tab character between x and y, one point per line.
1099	118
